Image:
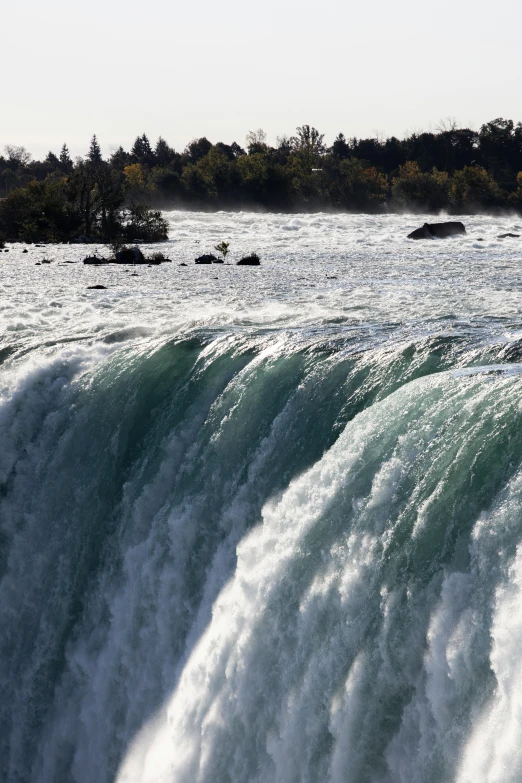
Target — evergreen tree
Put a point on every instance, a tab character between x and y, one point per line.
66	163
142	150
94	154
137	148
340	147
163	153
120	159
145	145
52	160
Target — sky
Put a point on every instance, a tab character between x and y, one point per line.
182	70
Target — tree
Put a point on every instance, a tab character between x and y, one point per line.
135	176
52	160
308	141
66	163
141	222
211	177
17	156
501	150
516	196
223	249
163	153
256	141
423	190
94	155
197	149
340	147
359	187
142	150
473	187
237	150
119	159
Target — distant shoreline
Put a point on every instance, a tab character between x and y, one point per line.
456	171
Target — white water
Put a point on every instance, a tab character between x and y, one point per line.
268	526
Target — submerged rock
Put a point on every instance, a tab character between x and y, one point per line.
509	234
207	258
438	230
97	287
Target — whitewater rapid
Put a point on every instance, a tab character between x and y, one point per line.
264	524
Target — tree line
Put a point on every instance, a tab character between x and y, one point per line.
454	169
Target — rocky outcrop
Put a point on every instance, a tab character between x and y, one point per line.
208	258
438	230
252	260
97	287
130	255
97	261
509	234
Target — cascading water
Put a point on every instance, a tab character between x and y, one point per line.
280	546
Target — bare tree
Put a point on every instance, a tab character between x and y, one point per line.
17	155
256	138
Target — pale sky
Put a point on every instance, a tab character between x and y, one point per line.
220	69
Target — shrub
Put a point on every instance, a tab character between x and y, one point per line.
145	223
223	249
158	258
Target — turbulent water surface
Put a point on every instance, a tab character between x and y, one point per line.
264	524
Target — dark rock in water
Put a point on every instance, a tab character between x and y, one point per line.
218	261
131	255
97	287
47	260
509	234
95	260
25	251
252	260
182	264
158	258
438	230
38	263
208	258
